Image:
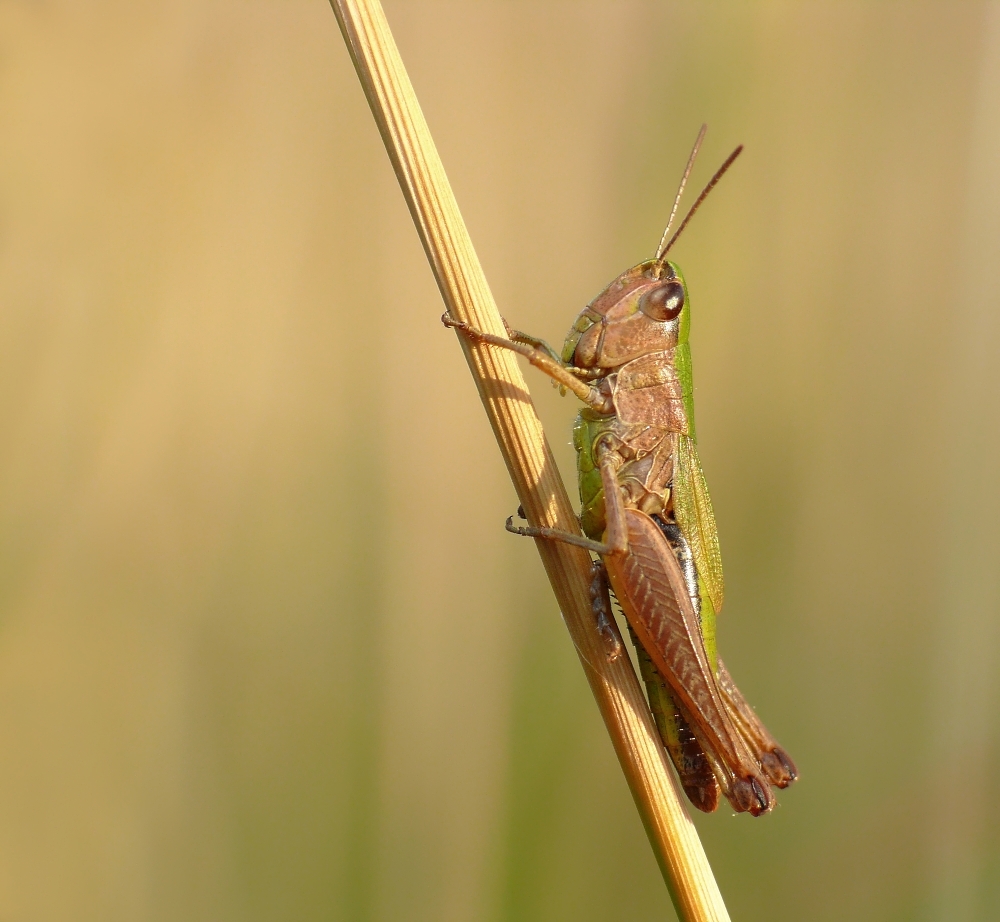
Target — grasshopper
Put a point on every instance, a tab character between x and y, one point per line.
647	514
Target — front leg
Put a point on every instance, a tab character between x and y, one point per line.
542	360
616	534
556	534
528	340
600	592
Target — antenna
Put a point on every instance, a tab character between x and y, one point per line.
680	189
711	185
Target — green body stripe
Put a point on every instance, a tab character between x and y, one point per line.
661	704
708	627
682	362
586	431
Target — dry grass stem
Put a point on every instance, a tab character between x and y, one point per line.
527	455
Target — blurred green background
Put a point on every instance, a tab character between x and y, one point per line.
265	649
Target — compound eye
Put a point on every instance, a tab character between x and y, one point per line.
664	302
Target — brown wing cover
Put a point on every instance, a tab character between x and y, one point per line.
650	587
776	763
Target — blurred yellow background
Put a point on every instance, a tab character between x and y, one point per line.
266	651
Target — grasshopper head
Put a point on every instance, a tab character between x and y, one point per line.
644	310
